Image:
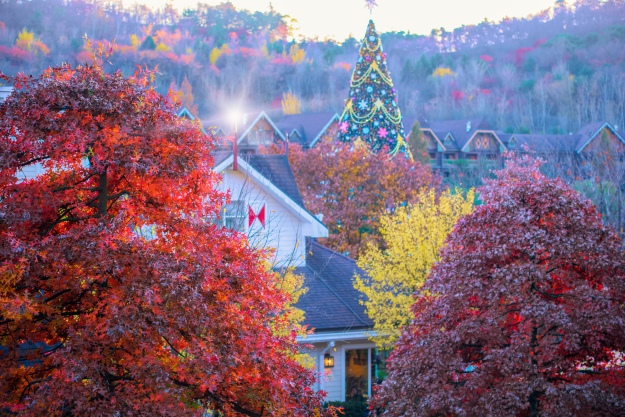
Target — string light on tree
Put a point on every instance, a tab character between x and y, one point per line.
371	113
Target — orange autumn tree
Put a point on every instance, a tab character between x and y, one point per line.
116	294
187	96
352	188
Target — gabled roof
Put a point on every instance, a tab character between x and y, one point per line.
466	147
276	169
409	121
547	143
273	172
564	143
590	131
184	112
504	137
331	303
587	133
262	115
449	142
310	126
220	156
220	124
457	129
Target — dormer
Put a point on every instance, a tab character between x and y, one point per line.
262	131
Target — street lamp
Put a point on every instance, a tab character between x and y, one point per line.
234	117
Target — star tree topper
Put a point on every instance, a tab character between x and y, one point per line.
370	4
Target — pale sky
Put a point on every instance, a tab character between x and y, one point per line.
339	18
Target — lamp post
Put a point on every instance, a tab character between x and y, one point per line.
234	117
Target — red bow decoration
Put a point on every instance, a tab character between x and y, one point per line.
253	216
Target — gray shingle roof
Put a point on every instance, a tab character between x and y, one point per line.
561	143
586	132
276	169
457	128
308	125
226	124
331	303
505	137
547	143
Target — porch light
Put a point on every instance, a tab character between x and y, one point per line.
328	361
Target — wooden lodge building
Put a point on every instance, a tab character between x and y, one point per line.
454	145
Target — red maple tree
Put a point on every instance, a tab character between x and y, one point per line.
353	188
116	296
524	314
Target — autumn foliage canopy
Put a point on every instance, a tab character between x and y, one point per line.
353	188
523	316
413	236
116	296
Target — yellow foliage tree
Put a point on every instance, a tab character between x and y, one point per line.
161	47
290	283
26	40
442	72
135	41
217	52
265	51
291	104
413	236
296	54
214	55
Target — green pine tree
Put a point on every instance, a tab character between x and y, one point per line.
371	112
148	44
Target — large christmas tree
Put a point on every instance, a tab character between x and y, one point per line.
371	112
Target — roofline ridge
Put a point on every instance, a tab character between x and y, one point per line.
301	206
332	251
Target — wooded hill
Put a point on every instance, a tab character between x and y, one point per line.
551	72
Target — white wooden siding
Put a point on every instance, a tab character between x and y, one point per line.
29	172
333	379
283	231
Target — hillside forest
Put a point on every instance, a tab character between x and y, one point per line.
551	72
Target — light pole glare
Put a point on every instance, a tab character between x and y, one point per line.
234	116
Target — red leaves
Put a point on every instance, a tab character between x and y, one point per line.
352	188
108	264
528	310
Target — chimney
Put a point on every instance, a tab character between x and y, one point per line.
286	145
